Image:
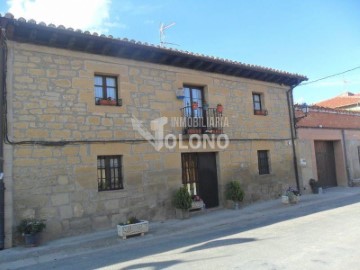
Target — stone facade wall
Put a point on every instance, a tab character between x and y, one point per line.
51	98
352	147
306	153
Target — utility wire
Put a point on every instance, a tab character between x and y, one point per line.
330	76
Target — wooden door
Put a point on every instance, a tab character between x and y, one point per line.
325	162
208	183
199	175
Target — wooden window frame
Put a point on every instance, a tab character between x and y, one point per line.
192	99
190	177
104	87
263	162
259	102
107	179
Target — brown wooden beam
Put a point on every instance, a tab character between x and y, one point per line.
209	66
121	51
32	35
53	38
106	48
71	43
89	45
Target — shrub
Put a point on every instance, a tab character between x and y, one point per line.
314	186
31	226
234	191
182	199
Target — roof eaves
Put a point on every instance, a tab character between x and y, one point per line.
160	54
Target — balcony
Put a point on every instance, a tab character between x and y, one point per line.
201	120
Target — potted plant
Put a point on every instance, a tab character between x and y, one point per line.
30	228
314	186
219	108
292	195
182	202
234	193
107	101
132	226
205	106
194	105
260	112
197	203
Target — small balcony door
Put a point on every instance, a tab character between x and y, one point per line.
193	94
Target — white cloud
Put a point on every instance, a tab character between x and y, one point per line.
89	15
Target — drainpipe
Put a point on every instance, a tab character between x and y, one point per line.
350	183
289	96
2	119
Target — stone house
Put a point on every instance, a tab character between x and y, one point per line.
328	147
81	108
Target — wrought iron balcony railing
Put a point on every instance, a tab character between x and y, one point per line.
201	120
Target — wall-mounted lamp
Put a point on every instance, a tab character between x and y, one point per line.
305	110
180	93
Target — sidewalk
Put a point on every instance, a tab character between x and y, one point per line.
208	219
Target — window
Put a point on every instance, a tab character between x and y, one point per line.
193	95
190	179
109	173
258	104
105	88
263	161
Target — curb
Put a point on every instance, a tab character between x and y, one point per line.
84	244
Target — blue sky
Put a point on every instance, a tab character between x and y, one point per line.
313	38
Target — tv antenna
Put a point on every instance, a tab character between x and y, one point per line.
163	27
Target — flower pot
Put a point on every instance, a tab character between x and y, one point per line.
197	205
132	229
107	102
294	199
219	108
260	112
194	105
181	213
285	199
194	131
31	240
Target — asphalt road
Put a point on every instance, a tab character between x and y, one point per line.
325	236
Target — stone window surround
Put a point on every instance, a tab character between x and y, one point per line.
258	99
264	169
104	85
108	170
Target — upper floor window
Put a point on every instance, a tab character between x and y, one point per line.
263	161
105	88
193	101
109	174
258	105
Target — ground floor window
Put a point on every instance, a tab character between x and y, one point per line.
263	161
109	173
190	178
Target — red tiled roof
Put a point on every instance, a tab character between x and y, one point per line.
346	99
328	118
